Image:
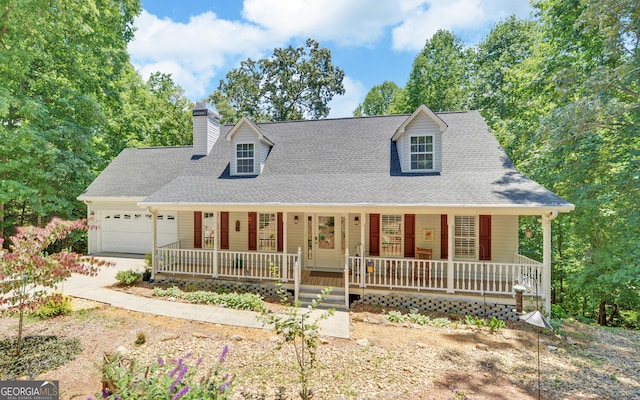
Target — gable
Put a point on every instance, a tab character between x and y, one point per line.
249	148
422	134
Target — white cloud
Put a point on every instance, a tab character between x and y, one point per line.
343	106
456	15
196	51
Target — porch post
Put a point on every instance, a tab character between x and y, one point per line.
285	259
450	272
546	259
154	244
216	241
363	230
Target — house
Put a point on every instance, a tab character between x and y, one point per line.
420	209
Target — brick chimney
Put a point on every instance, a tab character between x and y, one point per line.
206	129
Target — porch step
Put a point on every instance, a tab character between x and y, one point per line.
309	293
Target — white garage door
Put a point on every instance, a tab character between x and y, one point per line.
131	232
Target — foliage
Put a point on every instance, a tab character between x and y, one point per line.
236	301
27	270
379	100
39	354
438	76
141	338
53	306
128	277
293	83
61	61
299	330
125	378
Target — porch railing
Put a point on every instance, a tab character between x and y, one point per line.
417	274
228	264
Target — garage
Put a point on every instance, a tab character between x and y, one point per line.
132	232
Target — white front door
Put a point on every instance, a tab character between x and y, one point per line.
327	241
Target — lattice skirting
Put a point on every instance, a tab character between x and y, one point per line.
264	289
446	306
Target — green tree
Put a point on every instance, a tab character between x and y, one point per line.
293	83
438	77
379	100
28	270
60	62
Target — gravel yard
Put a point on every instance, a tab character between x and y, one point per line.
382	360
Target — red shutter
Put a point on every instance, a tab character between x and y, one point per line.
224	230
444	236
253	231
485	237
280	235
197	229
374	234
410	235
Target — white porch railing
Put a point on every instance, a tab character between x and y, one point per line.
417	274
228	264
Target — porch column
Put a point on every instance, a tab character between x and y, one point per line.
450	272
546	259
363	232
285	238
216	241
154	243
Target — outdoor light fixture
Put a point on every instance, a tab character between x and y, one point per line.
237	225
356	220
92	216
295	220
528	233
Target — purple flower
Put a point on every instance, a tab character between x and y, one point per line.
223	356
105	393
224	386
179	366
181	393
160	361
199	361
178	380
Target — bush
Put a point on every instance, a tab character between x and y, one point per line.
558	312
129	277
125	378
39	354
56	304
236	301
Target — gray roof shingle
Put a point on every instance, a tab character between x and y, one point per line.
345	161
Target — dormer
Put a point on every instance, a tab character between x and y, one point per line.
419	142
250	148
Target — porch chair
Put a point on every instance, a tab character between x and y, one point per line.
422	254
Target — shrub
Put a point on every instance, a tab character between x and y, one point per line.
141	338
558	312
56	304
129	277
39	354
236	301
125	378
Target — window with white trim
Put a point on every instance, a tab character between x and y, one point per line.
267	232
208	230
245	156
421	153
464	237
391	235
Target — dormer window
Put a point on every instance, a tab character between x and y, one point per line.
245	158
422	153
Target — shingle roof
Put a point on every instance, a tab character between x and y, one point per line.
345	161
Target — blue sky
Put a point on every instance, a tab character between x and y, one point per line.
198	42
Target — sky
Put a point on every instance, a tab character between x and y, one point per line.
199	41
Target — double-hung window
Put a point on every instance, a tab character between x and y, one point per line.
267	232
421	153
391	235
464	237
245	156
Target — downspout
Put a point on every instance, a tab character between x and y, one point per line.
546	258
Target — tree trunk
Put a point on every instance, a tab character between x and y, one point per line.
614	312
19	341
602	313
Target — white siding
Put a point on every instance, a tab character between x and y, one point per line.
261	150
428	221
238	241
185	229
420	125
295	234
504	237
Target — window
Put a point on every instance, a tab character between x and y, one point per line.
421	153
267	231
244	158
464	237
391	235
208	230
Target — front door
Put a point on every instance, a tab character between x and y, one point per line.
327	241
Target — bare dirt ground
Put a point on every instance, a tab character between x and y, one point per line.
381	361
